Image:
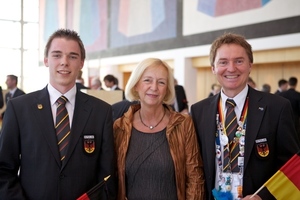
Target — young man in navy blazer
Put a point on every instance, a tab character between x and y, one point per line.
28	141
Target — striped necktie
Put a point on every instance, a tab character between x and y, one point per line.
62	126
231	127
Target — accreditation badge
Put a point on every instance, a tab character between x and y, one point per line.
89	143
262	147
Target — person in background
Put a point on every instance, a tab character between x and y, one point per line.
180	102
111	82
157	151
57	143
240	156
117	83
282	86
12	86
266	88
294	97
13	90
96	84
215	89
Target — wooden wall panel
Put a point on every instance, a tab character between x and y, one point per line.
205	78
268	74
292	69
126	76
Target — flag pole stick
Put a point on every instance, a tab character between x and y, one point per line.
257	191
85	196
270	179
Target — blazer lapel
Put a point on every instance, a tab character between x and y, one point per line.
210	124
256	111
42	111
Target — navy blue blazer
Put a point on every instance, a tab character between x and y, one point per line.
28	140
294	97
17	93
121	107
269	117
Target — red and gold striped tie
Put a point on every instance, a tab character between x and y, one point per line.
62	126
230	127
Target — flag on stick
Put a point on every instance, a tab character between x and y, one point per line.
88	194
285	183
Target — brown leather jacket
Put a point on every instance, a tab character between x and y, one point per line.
184	150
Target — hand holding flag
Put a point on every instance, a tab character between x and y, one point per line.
88	194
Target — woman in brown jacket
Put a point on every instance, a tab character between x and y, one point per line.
157	151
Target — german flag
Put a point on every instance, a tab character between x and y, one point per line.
285	183
90	195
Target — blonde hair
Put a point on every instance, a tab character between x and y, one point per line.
137	73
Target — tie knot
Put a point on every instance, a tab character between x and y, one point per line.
230	103
62	100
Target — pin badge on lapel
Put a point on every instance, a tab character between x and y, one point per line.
261	108
89	143
40	106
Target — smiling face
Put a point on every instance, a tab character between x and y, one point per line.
232	68
152	86
64	62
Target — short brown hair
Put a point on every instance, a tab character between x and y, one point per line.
229	38
68	34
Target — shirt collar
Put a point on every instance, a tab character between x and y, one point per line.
13	91
239	99
55	94
114	87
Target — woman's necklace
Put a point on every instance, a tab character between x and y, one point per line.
151	127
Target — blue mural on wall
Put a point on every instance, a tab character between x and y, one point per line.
51	18
136	22
90	28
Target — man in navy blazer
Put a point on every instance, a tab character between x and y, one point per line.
13	90
265	135
294	97
31	166
12	86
